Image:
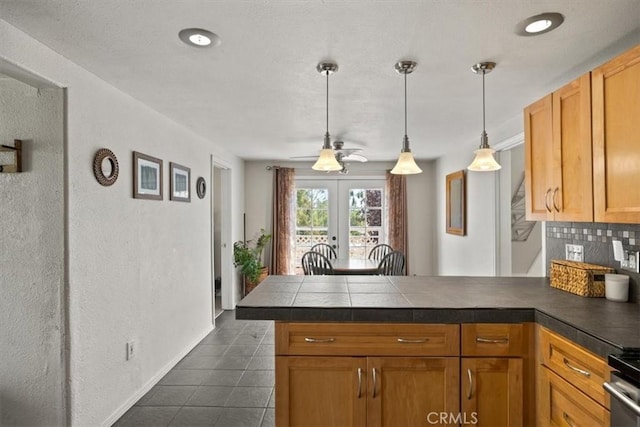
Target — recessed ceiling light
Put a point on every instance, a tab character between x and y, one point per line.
539	24
197	37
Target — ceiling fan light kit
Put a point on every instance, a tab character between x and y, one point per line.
327	159
406	164
484	161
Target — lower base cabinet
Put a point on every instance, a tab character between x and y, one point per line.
367	391
492	391
561	404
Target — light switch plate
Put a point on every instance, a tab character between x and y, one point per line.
574	253
631	262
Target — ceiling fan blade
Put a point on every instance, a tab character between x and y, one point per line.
304	157
348	151
355	158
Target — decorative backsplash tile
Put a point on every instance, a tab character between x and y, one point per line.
596	239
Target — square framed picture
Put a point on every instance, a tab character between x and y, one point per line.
179	182
147	177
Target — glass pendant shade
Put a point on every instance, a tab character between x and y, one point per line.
326	161
406	165
484	161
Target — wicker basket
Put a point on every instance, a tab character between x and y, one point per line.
579	278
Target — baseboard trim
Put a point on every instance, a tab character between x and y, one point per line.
153	381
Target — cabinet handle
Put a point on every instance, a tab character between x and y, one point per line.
375	380
573	368
492	341
546	200
568	420
315	340
470	392
555	193
359	383
408	341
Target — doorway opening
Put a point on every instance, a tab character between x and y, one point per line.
221	229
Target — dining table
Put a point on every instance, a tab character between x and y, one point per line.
354	266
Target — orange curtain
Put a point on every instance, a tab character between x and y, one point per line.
282	243
396	189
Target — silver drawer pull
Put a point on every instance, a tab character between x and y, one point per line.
408	341
470	392
359	383
568	420
375	383
492	341
573	368
316	341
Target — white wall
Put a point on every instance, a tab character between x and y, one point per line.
420	201
32	375
137	269
475	253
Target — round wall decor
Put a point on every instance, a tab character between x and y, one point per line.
201	187
105	167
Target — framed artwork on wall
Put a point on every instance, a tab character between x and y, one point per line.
147	177
179	182
456	204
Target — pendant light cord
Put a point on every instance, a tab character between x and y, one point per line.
327	101
484	128
405	104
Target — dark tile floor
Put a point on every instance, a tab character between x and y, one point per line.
226	380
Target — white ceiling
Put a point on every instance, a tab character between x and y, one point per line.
259	95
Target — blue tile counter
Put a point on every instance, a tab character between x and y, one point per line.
599	325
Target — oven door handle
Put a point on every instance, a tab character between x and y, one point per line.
622	397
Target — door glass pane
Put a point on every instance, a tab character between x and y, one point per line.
312	219
365	221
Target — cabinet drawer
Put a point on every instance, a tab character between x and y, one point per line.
493	339
367	339
575	364
561	404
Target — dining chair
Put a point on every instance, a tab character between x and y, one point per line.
316	264
392	264
325	250
379	251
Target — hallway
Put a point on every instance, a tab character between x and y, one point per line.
226	380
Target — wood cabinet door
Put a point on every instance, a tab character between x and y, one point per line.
572	193
321	391
492	391
561	404
413	391
538	170
616	139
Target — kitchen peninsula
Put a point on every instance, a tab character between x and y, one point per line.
363	339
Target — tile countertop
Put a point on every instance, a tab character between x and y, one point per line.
600	325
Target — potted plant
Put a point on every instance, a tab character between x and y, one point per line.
247	256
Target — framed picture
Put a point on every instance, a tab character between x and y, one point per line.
456	204
147	177
180	182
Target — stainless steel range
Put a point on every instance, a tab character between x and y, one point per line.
624	388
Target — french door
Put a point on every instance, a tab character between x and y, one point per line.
347	214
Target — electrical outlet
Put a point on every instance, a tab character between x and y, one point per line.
574	253
131	349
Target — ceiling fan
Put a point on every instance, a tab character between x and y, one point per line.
343	155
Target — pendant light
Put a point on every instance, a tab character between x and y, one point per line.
327	160
406	165
484	161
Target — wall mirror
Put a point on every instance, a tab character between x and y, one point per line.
456	203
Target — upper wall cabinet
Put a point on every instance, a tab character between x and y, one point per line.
558	164
616	139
